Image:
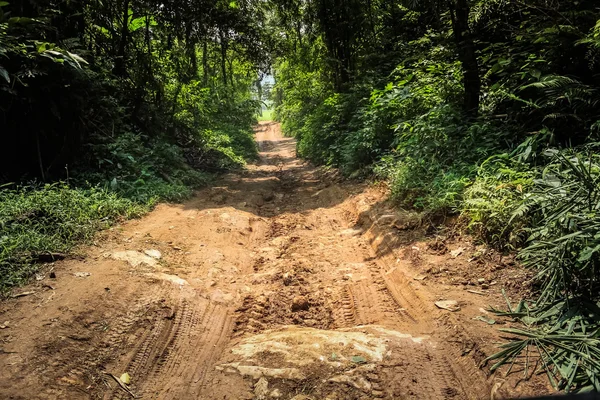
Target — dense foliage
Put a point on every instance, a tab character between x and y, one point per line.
486	108
126	102
96	86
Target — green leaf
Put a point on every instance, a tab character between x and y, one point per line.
4	74
137	23
77	58
587	253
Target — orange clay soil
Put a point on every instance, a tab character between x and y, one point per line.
279	282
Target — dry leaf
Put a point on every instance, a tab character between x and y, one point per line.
22	294
457	252
125	378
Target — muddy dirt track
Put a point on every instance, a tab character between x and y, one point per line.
280	282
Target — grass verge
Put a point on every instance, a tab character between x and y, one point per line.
41	223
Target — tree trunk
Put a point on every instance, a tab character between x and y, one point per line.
191	50
223	57
120	69
459	13
204	63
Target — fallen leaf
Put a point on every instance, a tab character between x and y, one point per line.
488	321
457	252
477	292
419	277
359	359
450	305
125	378
4	325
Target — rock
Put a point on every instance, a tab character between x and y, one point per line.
450	305
261	389
153	253
219	198
358	382
481	280
287	279
268	196
259	372
133	258
275	394
300	303
170	278
350	232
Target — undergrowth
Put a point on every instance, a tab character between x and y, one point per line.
516	191
38	221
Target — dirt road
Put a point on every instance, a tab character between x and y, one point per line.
277	283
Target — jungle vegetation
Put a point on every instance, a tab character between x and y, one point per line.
487	109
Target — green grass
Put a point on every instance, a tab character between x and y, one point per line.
37	221
267	116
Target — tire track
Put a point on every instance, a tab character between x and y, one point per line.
174	359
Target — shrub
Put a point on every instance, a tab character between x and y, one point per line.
493	204
563	246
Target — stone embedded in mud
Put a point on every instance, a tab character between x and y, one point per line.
450	305
358	381
133	258
288	278
300	303
169	278
156	254
257	372
268	196
351	232
261	389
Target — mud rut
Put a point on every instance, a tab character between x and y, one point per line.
275	284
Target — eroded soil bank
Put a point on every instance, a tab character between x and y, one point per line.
281	282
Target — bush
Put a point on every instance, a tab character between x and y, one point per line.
564	241
563	246
436	159
493	204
